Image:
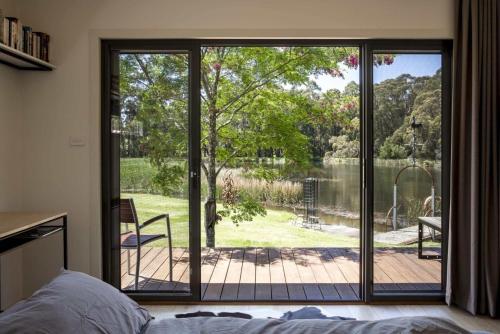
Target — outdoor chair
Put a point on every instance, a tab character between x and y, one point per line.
128	215
314	222
298	216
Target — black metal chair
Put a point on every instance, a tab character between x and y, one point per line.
128	215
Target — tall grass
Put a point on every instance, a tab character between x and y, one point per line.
277	193
136	176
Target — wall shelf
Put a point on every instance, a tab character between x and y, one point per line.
22	61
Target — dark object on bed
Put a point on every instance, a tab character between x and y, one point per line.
211	314
75	303
195	314
310	313
234	315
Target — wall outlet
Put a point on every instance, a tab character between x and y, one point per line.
77	141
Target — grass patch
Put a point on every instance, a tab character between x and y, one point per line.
272	230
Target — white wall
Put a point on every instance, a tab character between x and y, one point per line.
65	102
11	140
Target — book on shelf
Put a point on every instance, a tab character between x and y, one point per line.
27	40
1	27
21	37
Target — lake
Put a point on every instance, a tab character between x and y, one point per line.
339	189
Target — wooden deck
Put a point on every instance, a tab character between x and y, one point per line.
286	274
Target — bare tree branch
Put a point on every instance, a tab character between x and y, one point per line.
144	68
232	155
205	170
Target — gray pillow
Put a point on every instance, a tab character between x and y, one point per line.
75	303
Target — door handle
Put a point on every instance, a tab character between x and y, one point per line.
194	178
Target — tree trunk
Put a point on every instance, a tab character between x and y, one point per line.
211	203
210	220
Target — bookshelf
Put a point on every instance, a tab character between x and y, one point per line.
22	61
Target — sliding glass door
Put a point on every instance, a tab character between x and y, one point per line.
275	170
155	190
408	106
280	172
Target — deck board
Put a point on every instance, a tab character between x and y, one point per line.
246	289
262	275
150	272
309	283
336	275
216	283
233	276
207	268
292	277
163	281
286	274
279	290
324	281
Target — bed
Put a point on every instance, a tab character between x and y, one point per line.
77	303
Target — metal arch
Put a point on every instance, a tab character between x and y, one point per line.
395	194
415	166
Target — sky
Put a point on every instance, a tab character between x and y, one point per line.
416	65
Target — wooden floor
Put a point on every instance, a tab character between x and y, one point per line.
286	274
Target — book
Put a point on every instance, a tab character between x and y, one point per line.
5	24
36	45
43	41
20	37
1	26
12	40
27	31
47	48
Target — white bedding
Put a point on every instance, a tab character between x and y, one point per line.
216	325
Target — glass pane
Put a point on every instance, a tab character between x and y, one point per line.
154	93
280	182
407	172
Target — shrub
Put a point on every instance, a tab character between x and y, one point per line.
342	147
392	151
136	175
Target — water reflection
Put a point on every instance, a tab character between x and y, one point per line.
339	190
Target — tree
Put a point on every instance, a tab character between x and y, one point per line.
344	138
156	86
247	107
423	102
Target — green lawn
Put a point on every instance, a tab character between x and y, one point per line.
272	230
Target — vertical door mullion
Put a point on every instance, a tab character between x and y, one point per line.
110	164
446	89
367	171
194	171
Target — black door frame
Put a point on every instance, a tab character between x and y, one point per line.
110	50
110	181
444	48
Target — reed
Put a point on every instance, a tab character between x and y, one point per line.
277	193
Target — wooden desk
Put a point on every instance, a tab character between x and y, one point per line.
33	248
435	224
